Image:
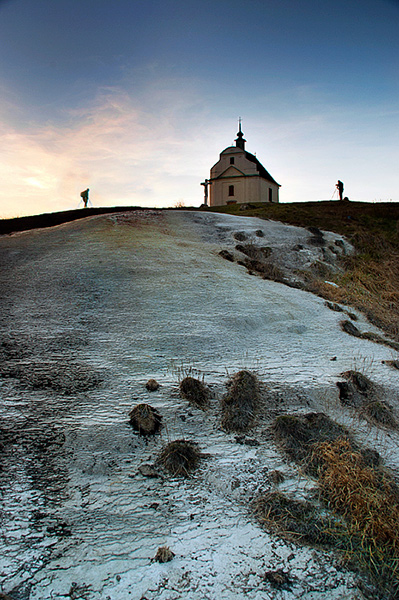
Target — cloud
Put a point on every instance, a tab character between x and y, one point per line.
152	146
126	151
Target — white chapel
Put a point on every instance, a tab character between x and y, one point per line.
238	177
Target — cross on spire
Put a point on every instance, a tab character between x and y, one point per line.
240	142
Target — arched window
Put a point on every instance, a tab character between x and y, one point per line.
231	190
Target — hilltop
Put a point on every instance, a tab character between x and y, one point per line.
370	281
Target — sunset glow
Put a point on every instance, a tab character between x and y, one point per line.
136	100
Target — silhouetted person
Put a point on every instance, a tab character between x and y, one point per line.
85	197
340	187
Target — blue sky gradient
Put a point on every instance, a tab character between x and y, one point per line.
136	100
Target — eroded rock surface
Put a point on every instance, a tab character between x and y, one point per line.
90	311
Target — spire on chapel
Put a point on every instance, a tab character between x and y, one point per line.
240	142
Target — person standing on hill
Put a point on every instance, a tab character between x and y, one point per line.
85	197
340	187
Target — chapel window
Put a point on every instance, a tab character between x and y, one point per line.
231	190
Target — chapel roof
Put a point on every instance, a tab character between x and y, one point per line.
260	168
240	147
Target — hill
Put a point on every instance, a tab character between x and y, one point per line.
290	425
371	278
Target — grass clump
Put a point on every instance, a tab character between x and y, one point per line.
226	255
195	391
333	306
369	500
278	579
180	457
298	521
360	381
352	484
164	554
152	385
379	413
145	419
360	393
351	329
240	403
364	501
391	363
357	391
298	434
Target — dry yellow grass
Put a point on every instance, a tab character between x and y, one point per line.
368	499
362	496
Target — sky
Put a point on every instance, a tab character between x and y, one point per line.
135	99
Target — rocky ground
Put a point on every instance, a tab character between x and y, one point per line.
93	309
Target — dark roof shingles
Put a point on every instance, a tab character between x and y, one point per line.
260	168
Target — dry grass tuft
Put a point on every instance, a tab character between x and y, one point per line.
195	391
226	255
240	403
278	579
369	500
360	381
240	236
276	477
297	434
391	363
379	413
180	457
145	419
295	520
333	306
353	485
356	391
152	385
350	328
164	554
360	393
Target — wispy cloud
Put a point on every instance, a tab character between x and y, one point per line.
127	151
153	147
